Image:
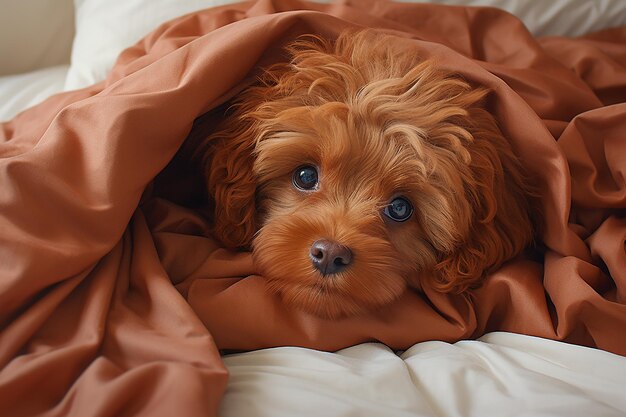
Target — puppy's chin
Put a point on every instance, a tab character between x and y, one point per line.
322	300
374	279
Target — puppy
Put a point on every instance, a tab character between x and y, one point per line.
357	170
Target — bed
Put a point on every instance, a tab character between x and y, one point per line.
501	366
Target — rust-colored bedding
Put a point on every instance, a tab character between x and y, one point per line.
114	300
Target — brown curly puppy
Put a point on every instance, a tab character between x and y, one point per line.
356	170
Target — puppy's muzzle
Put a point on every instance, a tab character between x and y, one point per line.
330	257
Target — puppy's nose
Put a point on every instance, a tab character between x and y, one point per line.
330	257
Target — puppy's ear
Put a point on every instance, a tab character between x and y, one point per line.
501	197
230	182
227	157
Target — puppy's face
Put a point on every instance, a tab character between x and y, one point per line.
354	171
339	209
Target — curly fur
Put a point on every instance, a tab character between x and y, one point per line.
377	122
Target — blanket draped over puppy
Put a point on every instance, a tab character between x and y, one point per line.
114	298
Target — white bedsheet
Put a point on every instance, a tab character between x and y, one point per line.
501	374
20	91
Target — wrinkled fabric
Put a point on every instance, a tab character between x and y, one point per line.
114	297
500	374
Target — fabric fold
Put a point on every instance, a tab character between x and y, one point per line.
114	297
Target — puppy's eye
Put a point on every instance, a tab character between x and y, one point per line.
399	209
305	177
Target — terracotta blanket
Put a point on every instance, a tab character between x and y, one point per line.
114	299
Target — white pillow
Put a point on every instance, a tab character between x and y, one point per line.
105	27
35	34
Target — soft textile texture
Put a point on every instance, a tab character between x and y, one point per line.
18	92
105	28
501	374
115	301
